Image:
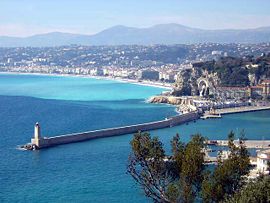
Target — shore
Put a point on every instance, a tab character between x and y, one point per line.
118	79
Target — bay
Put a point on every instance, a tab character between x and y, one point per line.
92	171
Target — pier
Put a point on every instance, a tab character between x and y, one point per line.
242	109
217	113
252	144
39	142
207	116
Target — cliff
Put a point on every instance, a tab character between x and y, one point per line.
183	104
195	81
166	100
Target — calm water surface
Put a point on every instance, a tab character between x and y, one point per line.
92	171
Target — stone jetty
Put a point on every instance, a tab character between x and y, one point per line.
39	142
252	144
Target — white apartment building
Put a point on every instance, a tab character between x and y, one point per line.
263	158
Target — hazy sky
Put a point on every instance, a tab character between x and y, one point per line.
28	17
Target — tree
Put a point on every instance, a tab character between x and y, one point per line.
191	171
167	178
229	174
182	176
254	191
147	166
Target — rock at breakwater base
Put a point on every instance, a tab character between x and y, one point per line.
29	147
165	99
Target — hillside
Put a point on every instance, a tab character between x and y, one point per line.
159	34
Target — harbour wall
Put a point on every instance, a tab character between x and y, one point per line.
241	109
261	144
109	132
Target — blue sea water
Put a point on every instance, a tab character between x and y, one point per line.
92	171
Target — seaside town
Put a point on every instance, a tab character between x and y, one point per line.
192	72
135	101
203	81
210	79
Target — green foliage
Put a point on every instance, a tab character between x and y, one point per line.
227	177
185	91
192	167
163	178
173	192
165	54
256	191
148	167
182	177
263	68
231	71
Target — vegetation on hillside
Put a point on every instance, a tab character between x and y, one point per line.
232	71
264	66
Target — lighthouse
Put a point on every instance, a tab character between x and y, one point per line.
37	135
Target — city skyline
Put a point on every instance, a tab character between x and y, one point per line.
29	17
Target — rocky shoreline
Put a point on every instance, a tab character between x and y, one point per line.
183	104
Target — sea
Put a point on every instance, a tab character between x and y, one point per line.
95	170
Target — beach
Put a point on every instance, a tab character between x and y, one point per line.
118	79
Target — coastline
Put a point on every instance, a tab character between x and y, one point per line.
123	80
135	82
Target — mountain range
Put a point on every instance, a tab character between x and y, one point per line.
158	34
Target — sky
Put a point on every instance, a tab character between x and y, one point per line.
28	17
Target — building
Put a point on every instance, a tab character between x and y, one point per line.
263	161
260	91
148	74
96	72
256	91
232	92
266	89
167	76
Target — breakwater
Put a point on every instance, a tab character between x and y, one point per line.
39	142
217	113
248	143
240	109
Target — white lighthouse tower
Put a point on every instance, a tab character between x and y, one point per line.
37	135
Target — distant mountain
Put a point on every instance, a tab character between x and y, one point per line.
43	40
158	34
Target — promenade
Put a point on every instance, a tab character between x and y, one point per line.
251	144
239	110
